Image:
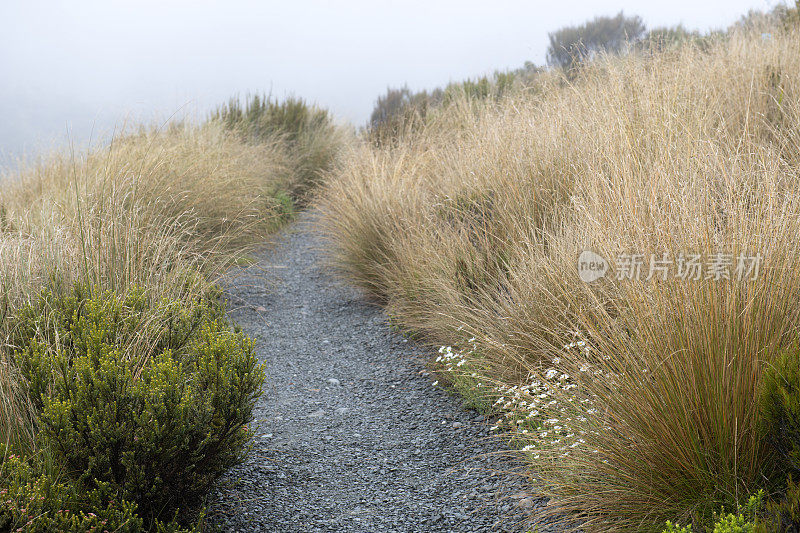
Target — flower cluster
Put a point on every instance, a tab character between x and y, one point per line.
450	359
547	411
465	374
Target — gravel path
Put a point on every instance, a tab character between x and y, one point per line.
351	434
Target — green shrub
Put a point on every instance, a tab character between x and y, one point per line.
784	514
780	514
572	45
31	500
745	520
780	403
781	410
152	411
675	528
262	117
400	112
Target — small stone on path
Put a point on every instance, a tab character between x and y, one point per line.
525	503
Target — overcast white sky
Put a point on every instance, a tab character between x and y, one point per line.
71	65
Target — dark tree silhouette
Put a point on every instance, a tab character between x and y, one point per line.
571	45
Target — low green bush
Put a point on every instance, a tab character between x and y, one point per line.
745	520
783	514
781	410
780	407
263	117
780	514
140	401
400	112
33	500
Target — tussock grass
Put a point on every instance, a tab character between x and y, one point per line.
162	211
307	131
472	226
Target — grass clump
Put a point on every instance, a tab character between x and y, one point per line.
167	211
636	400
124	393
307	131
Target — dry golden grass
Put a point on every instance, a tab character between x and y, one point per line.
476	222
164	211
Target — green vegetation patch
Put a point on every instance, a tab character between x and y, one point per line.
137	417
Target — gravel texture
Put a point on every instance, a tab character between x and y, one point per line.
351	435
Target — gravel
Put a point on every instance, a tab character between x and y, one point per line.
350	434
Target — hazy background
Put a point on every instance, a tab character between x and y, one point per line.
71	69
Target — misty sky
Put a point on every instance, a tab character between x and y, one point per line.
78	65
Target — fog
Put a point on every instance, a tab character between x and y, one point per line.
74	70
